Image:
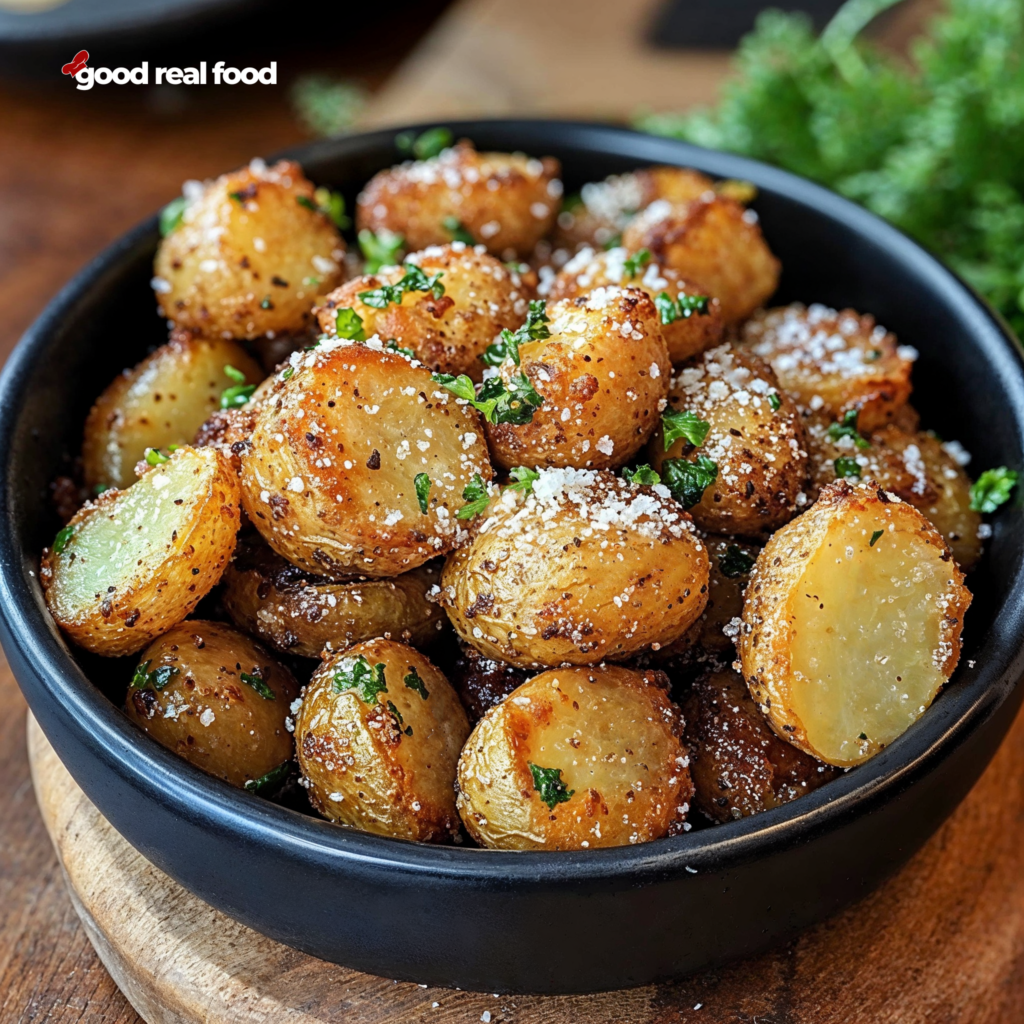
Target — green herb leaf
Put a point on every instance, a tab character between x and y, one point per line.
332	205
476	497
380	249
155	457
60	542
307	203
515	403
847	467
98	489
461	386
524	478
635	263
681	308
255	680
269	782
641	475
549	785
992	489
678	423
399	719
775	401
287	373
414	280
349	324
847	427
507	345
171	215
613	243
235	396
426	145
157	679
688	480
359	675
422	485
874	537
735	563
455	228
236	375
393	346
413	681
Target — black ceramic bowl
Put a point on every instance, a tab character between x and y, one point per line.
538	922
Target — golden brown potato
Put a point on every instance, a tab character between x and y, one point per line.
603	373
713	240
914	466
229	430
851	623
833	362
378	737
134	563
688	327
163	401
582	568
450	333
303	614
752	463
506	201
252	253
219	700
482	682
332	472
739	766
577	758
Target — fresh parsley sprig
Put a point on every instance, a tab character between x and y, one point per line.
507	345
682	308
524	478
157	679
422	484
632	265
688	480
359	675
847	427
379	249
513	403
641	475
348	324
414	280
476	497
425	145
735	562
457	230
549	785
681	423
992	489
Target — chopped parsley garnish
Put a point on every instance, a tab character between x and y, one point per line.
307	203
681	308
515	403
238	394
349	324
359	675
255	680
524	478
393	346
399	719
992	489
332	204
236	375
735	563
60	542
422	485
775	401
170	216
874	537
100	488
476	498
635	263
641	475
239	197
425	145
613	243
679	423
688	480
548	783
413	681
455	228
287	373
380	249
154	457
846	466
413	281
157	679
847	427
271	780
507	345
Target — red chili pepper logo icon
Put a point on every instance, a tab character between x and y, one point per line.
77	64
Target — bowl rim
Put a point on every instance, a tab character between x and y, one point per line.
959	711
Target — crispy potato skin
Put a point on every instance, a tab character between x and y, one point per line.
613	734
603	374
329	476
685	337
162	401
586	567
482	682
739	766
387	766
760	451
506	201
249	257
833	361
207	713
481	298
304	614
713	240
137	562
844	642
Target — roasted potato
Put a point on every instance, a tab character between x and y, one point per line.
603	374
134	563
378	738
506	201
747	475
163	401
833	362
250	256
217	699
577	758
358	463
914	466
482	682
713	240
297	612
481	297
851	623
582	568
688	327
739	766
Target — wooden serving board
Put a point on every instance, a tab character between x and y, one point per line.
941	942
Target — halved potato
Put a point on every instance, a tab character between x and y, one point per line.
134	563
577	758
378	738
300	613
833	362
851	623
163	401
583	568
219	700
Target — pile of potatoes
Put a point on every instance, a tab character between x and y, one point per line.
515	517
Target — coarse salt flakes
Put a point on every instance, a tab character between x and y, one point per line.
207	718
